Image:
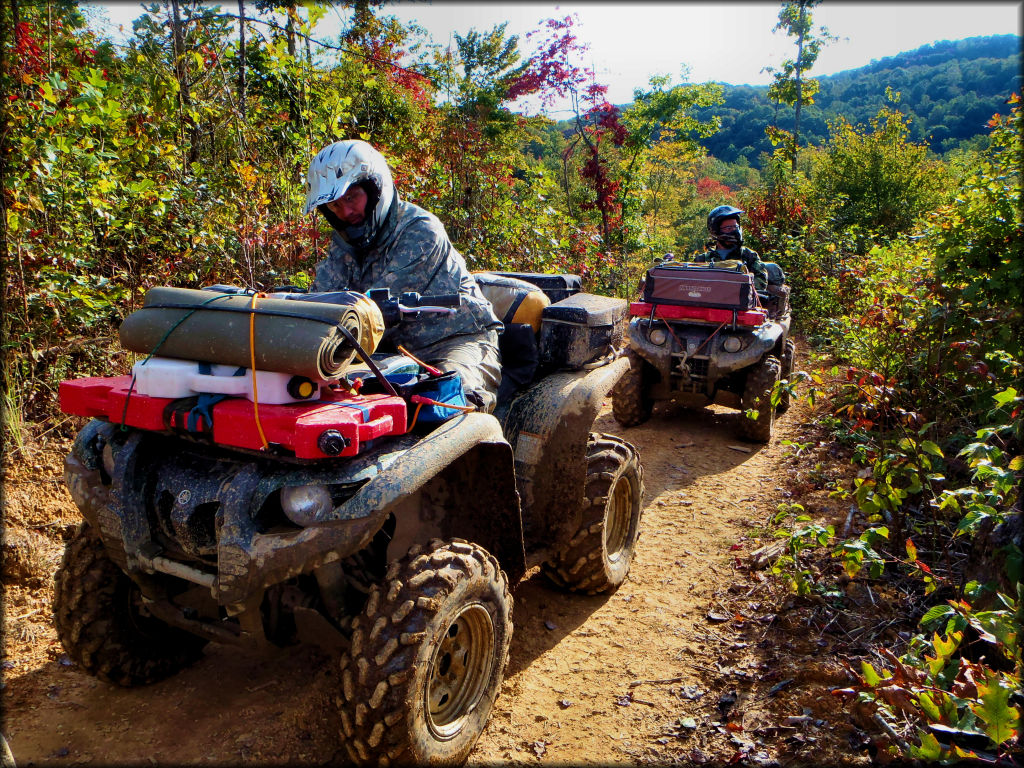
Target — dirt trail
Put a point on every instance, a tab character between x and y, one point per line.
592	680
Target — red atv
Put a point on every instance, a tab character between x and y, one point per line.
346	514
700	335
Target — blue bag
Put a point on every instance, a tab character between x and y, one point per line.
446	388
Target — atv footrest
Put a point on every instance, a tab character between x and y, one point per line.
327	428
750	317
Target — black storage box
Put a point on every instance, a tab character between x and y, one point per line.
581	328
698	285
557	287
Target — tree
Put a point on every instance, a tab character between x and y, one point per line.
790	86
879	180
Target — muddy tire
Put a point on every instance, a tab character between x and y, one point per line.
788	356
631	405
757	396
598	556
427	658
99	622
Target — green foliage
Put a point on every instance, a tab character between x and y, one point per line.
928	399
879	180
802	535
950	89
979	242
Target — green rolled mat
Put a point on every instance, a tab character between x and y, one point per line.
297	337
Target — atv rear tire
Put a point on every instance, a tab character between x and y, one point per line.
757	396
788	356
631	405
99	622
427	658
598	556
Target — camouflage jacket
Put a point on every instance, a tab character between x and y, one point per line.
412	254
750	259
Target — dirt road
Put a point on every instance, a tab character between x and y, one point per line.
684	663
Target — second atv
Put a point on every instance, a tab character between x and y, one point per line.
700	335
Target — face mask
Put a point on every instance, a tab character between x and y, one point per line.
731	239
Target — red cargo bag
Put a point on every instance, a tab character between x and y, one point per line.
698	285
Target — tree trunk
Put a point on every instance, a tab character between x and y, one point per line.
293	105
181	74
241	59
799	82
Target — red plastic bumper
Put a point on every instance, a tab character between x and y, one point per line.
751	317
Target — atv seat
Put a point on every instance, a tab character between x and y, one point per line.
519	300
776	302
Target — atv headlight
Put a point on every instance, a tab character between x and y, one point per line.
306	504
658	336
732	344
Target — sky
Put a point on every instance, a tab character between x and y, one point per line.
728	42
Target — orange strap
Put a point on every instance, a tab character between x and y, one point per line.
252	368
425	366
420	401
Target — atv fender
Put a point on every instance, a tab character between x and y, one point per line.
548	426
457	482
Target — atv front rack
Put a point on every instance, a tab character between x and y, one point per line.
748	318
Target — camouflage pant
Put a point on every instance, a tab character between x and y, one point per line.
475	358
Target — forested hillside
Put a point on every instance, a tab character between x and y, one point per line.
948	89
179	158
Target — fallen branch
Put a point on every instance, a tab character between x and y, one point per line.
903	745
849	520
662	681
26	615
768	554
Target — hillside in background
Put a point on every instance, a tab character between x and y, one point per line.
949	89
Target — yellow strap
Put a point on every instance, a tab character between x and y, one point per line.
252	368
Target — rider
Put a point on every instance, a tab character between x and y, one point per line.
727	237
380	241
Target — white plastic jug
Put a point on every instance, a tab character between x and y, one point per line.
167	377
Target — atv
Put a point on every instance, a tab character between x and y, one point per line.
701	334
353	521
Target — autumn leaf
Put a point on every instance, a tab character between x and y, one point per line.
911	550
943	650
994	710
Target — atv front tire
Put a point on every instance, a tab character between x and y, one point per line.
97	610
631	405
598	556
788	356
757	396
427	658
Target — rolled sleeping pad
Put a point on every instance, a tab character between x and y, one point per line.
514	300
297	337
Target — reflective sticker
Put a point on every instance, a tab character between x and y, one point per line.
184	497
529	447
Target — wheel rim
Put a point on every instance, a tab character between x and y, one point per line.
617	523
459	671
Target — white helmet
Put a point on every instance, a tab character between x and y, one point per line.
336	168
